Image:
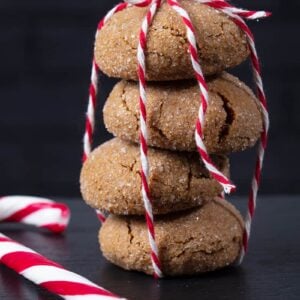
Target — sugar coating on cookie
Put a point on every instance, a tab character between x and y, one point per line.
233	121
221	43
199	240
110	179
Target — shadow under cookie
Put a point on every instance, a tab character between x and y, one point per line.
110	179
191	242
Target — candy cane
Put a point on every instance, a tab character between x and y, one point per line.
43	213
48	274
35	211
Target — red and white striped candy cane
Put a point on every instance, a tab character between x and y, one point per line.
48	274
142	46
39	212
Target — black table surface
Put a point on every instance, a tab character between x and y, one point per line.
270	271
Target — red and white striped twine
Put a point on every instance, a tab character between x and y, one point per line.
229	9
236	14
48	274
92	102
39	212
90	114
101	215
93	91
199	135
142	46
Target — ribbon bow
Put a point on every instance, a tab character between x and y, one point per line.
237	15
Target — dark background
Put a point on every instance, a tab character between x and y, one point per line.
45	58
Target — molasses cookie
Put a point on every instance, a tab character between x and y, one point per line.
233	120
220	42
191	242
110	179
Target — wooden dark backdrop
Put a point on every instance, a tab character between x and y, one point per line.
45	57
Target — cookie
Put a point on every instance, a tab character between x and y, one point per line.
110	179
191	242
233	121
220	42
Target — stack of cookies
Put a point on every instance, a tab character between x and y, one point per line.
195	230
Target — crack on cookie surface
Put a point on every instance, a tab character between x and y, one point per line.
156	127
204	251
126	106
190	176
130	167
128	224
183	41
230	117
